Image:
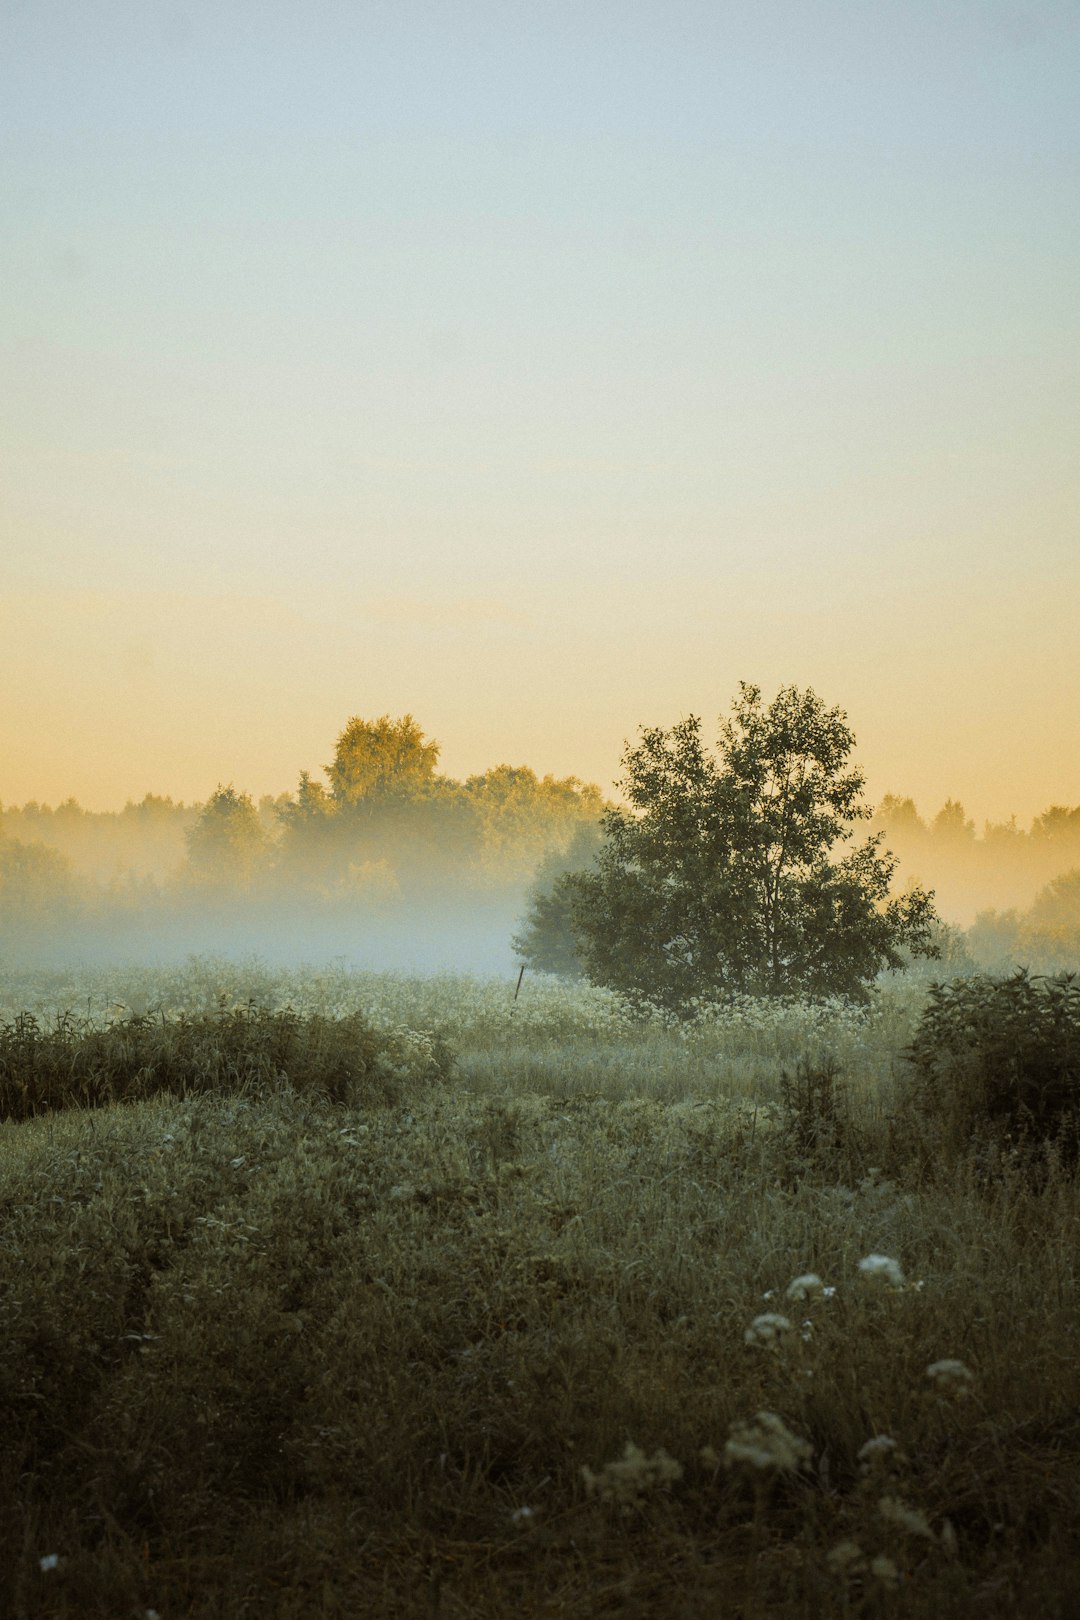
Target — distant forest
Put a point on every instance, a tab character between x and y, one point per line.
383	832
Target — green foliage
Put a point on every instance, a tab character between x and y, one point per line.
37	885
817	1121
374	758
75	1064
995	1062
547	939
723	877
262	1355
227	842
526	819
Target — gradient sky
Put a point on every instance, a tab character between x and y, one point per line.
542	370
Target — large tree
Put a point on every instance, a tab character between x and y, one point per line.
377	758
727	872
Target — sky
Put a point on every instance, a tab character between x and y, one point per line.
541	370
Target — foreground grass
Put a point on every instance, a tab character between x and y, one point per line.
268	1354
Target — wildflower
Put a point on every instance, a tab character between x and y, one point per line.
951	1377
904	1517
805	1286
50	1561
879	1453
768	1329
633	1477
766	1444
884	1570
846	1558
879	1268
522	1515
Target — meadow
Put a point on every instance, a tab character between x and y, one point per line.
339	1293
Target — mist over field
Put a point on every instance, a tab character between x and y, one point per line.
387	863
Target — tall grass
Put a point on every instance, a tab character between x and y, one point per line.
461	1351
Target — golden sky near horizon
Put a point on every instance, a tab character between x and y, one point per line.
542	372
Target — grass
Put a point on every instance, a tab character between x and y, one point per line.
460	1348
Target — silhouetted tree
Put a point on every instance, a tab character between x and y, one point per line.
725	875
547	939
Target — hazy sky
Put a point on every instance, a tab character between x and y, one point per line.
542	370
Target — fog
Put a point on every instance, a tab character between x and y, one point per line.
383	862
380	860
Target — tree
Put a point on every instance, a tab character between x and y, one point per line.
526	820
374	758
384	808
37	886
726	874
227	842
547	939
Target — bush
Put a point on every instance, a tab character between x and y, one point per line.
818	1130
78	1064
995	1063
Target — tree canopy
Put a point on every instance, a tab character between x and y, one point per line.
727	874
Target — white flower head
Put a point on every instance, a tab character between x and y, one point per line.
766	1444
951	1377
628	1481
50	1561
884	1570
880	1268
905	1518
880	1453
804	1287
846	1558
767	1330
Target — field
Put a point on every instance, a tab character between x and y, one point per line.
330	1294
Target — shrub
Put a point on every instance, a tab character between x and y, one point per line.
818	1132
995	1063
78	1064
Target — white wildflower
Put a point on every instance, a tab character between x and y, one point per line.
879	1453
633	1477
50	1561
846	1558
906	1518
880	1268
805	1287
767	1330
884	1570
951	1377
767	1444
522	1515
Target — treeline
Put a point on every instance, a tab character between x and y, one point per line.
383	826
1004	865
381	829
1015	890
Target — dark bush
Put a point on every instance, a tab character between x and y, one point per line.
995	1063
818	1132
75	1064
